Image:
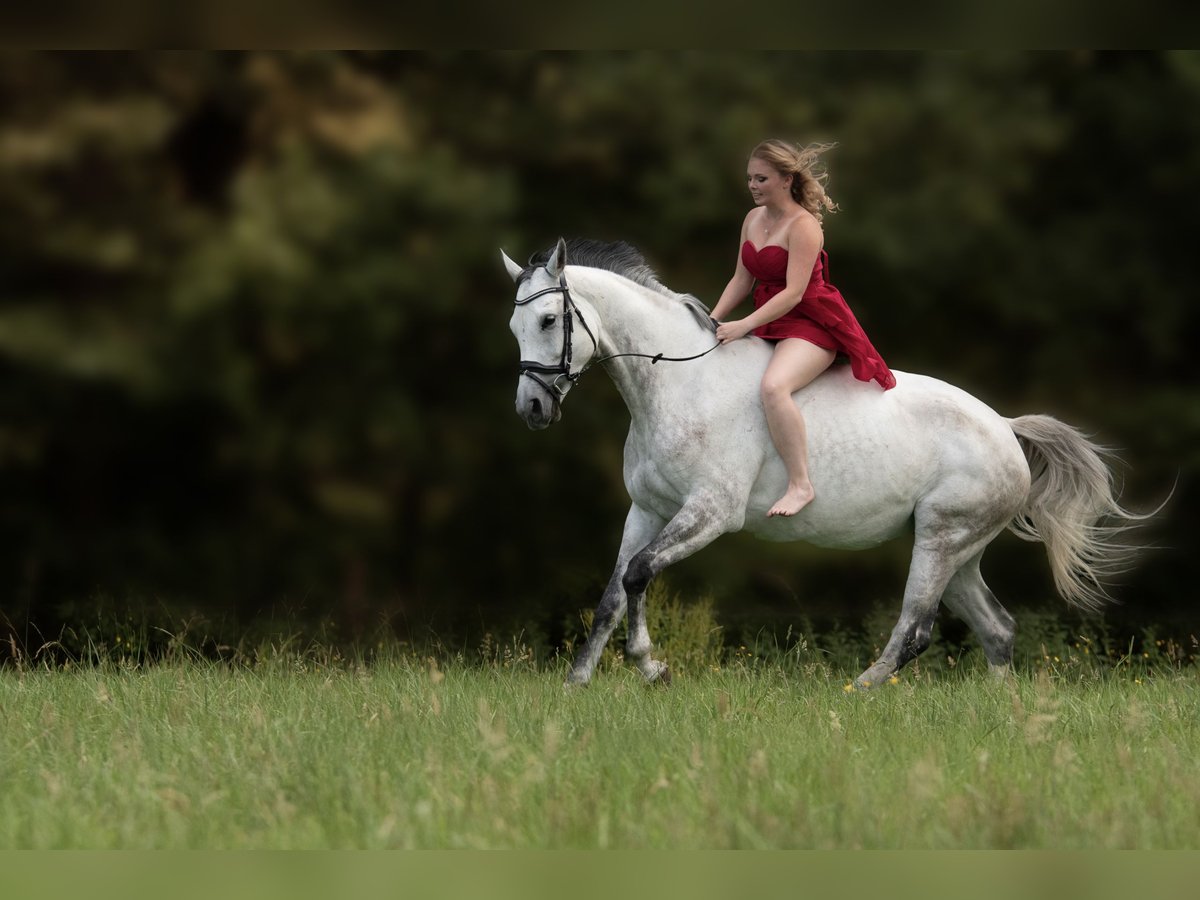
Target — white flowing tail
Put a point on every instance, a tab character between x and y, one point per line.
1071	508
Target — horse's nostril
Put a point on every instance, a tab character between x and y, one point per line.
535	406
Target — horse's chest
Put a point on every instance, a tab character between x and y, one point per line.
657	483
668	463
650	487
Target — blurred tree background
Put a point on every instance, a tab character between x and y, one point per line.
254	355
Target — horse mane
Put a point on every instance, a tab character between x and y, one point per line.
625	260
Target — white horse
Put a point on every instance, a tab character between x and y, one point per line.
699	460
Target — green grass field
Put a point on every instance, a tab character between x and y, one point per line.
305	750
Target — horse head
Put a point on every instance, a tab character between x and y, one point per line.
554	335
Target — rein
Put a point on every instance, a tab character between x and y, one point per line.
563	369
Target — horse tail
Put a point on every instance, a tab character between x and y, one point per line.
1071	508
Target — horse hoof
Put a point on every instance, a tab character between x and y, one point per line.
663	679
1002	672
872	678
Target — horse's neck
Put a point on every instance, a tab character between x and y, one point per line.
638	320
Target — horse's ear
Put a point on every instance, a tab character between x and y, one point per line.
558	259
513	269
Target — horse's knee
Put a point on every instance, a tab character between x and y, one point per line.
637	575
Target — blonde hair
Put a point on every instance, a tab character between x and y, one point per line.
802	163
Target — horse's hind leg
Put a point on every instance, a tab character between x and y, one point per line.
947	538
928	574
969	598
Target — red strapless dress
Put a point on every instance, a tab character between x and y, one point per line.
821	317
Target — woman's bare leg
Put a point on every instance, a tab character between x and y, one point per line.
794	364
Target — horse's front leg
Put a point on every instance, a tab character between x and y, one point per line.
641	527
695	526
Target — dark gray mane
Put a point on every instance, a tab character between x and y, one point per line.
622	258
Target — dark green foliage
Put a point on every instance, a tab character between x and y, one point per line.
253	343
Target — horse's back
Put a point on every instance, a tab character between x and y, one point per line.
875	455
920	413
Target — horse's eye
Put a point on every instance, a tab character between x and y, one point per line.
547	321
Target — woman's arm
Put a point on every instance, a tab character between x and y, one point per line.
804	239
741	282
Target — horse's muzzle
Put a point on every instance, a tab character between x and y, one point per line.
537	404
538	414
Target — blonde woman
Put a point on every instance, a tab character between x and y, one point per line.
782	258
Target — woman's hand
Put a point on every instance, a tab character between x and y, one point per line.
731	331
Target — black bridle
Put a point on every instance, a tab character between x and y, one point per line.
563	369
532	368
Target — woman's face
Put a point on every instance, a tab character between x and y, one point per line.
767	186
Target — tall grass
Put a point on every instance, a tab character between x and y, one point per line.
758	743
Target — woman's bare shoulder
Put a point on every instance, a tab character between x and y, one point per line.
805	229
748	221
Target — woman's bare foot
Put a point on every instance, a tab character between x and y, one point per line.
797	497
